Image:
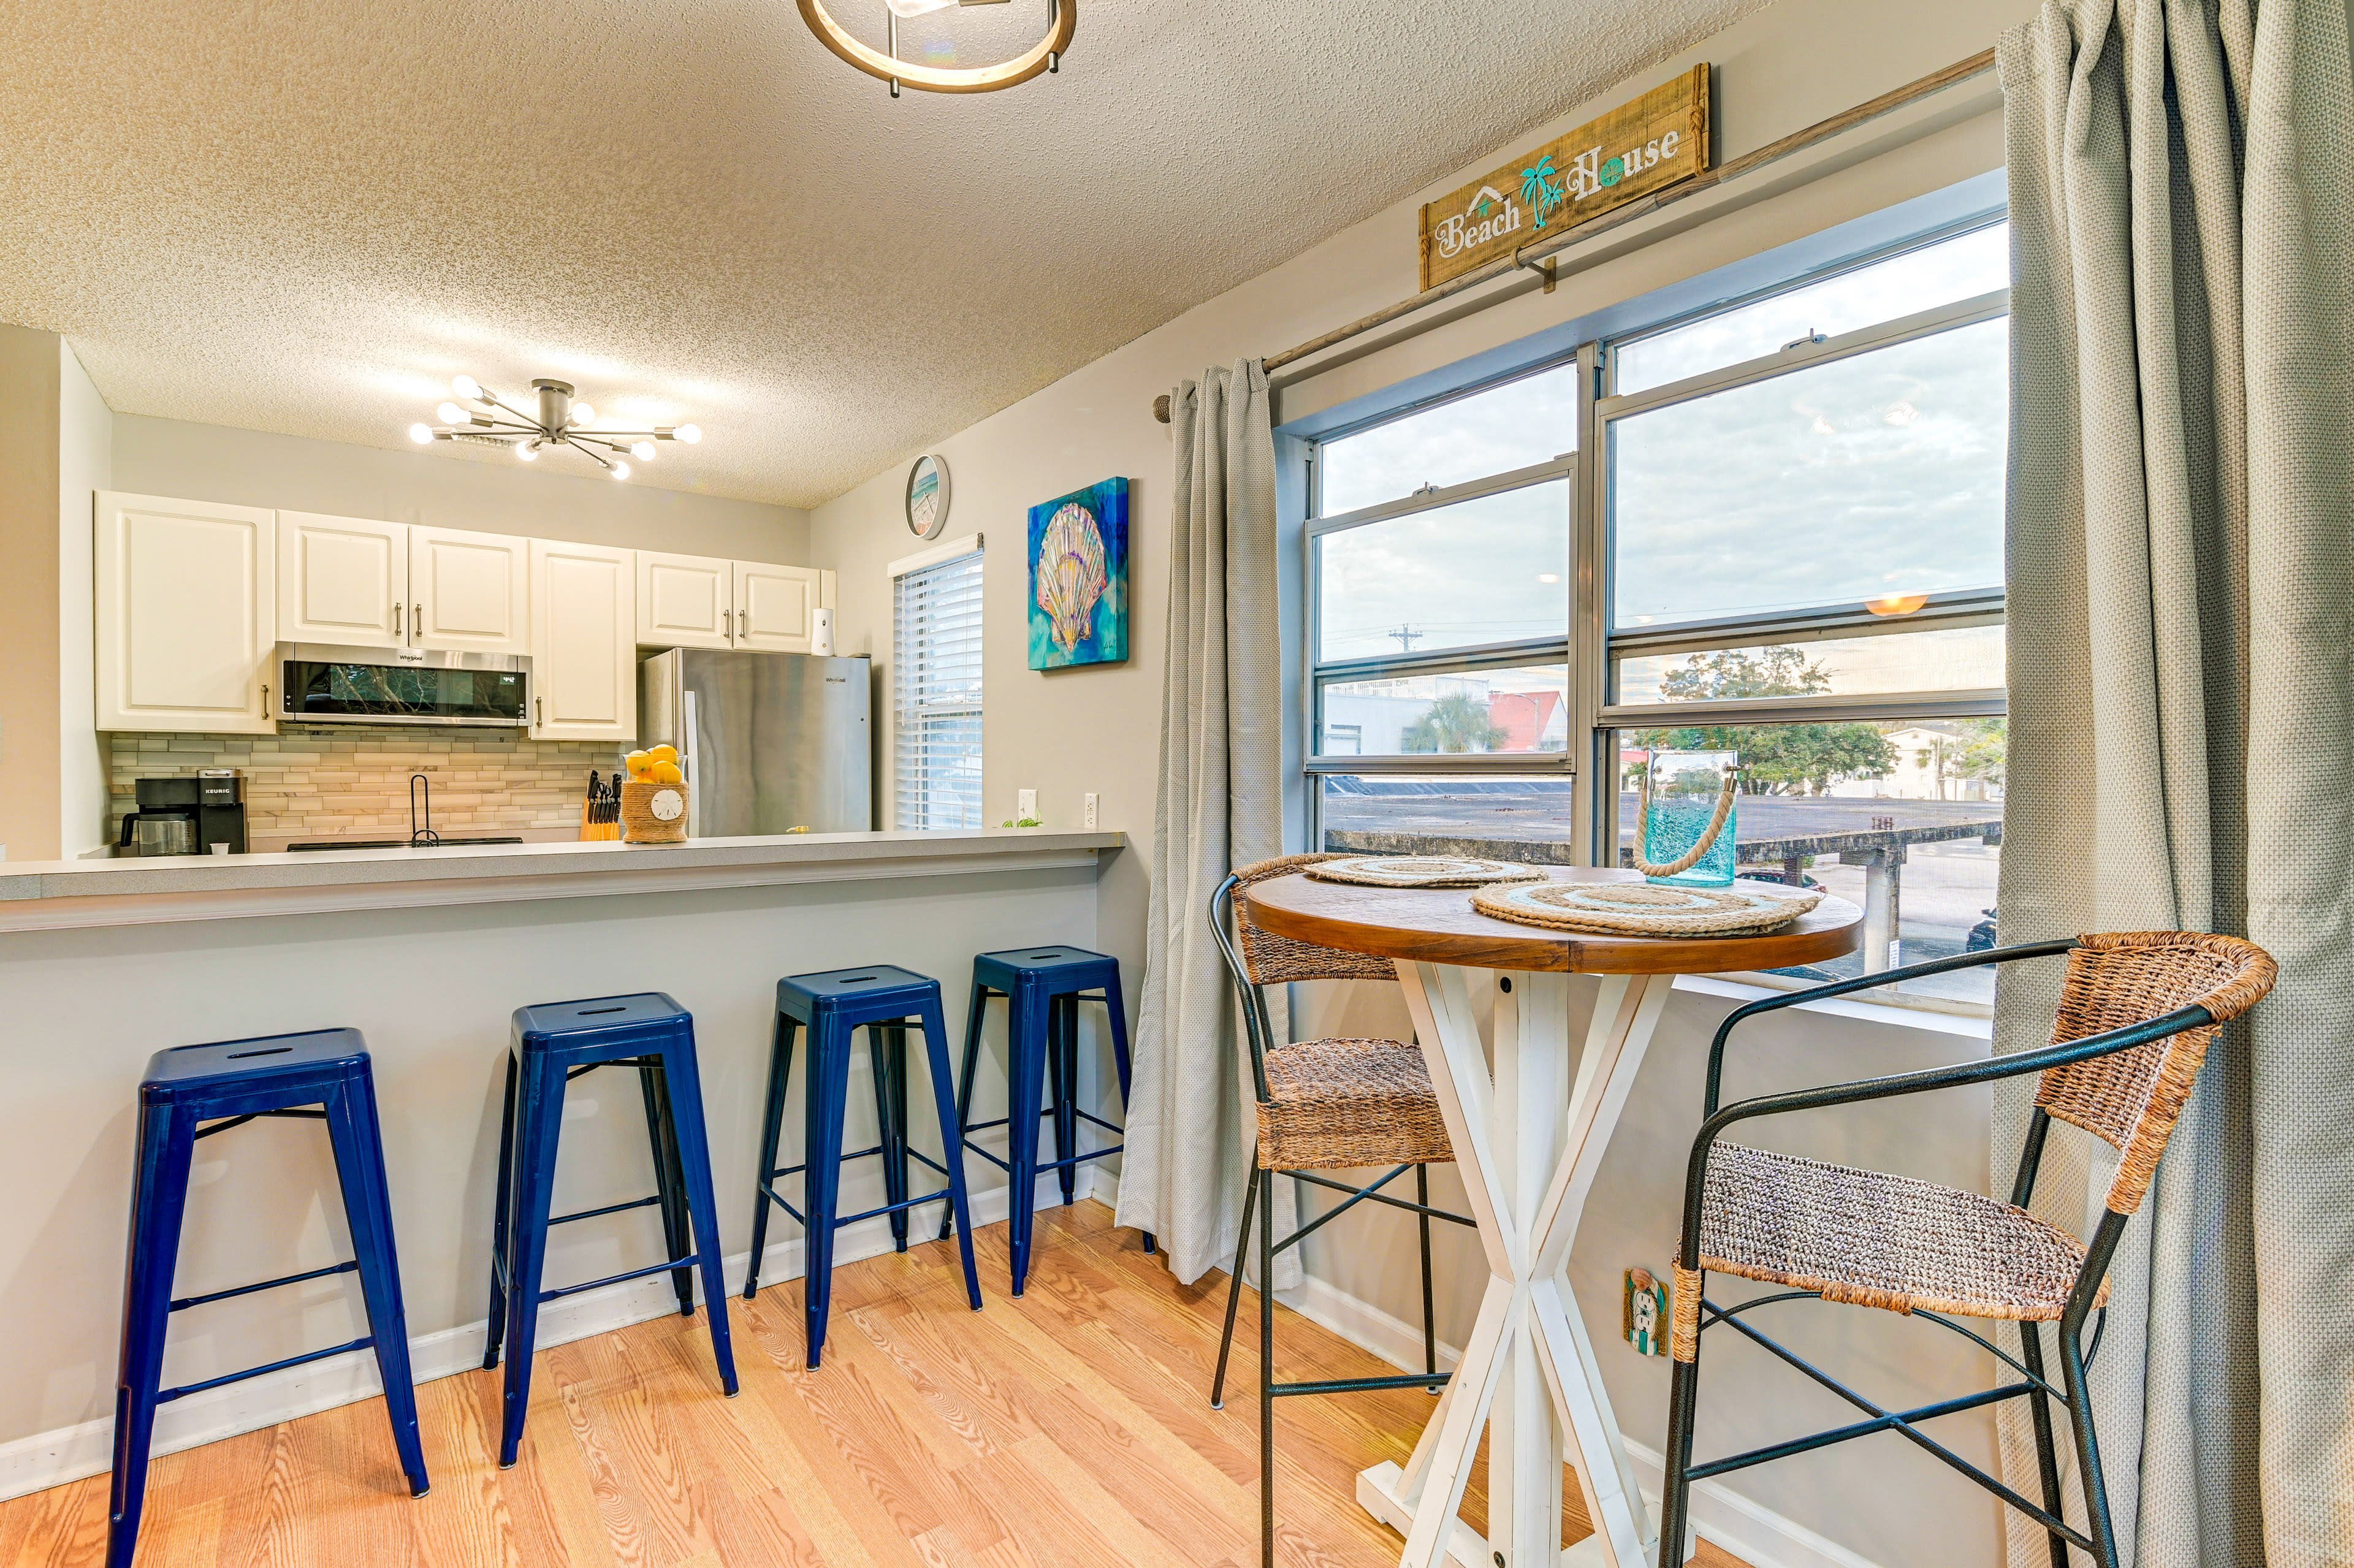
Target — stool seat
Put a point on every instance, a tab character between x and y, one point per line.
1043	987
227	1084
833	1004
864	990
555	1042
186	1069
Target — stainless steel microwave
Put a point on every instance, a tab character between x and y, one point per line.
403	686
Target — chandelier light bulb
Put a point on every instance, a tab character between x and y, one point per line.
582	414
690	434
620	468
421	434
527	450
466	386
643	451
450	414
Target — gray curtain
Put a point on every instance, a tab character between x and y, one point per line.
2182	718
1220	805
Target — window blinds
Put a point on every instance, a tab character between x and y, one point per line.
936	705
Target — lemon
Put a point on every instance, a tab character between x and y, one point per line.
637	762
663	753
666	773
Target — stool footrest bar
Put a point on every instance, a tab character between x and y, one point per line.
772	1195
891	1208
608	1209
365	1341
1360	1385
972	1148
1108	1127
689	1261
344	1267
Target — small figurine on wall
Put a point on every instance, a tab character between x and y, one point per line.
1078	577
1644	1321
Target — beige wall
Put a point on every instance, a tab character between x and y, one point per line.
29	594
84	465
1073	731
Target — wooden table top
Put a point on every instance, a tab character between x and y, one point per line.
1437	925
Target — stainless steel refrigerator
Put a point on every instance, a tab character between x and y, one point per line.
772	743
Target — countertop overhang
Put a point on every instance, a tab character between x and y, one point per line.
66	894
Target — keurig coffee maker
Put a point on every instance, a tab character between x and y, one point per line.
204	815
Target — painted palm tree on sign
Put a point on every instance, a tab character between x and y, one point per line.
1541	190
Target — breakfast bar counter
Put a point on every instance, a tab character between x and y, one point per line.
427	953
55	895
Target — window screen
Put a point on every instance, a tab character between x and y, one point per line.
936	705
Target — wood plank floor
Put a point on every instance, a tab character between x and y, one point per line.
1070	1427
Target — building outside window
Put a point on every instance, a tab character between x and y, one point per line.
936	691
1774	528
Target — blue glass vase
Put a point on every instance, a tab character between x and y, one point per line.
1686	787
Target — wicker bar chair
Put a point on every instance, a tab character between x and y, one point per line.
2137	1010
1323	1105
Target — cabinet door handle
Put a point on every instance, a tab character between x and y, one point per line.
265	699
539	711
399	628
417	621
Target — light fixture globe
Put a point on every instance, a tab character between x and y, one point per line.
1045	55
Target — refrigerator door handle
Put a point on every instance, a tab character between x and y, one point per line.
686	732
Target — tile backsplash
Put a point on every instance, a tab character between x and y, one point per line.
338	781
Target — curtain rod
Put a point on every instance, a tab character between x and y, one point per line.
1527	257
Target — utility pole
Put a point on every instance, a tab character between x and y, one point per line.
1406	637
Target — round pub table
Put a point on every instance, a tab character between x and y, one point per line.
1528	1371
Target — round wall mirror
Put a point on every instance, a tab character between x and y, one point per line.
927	496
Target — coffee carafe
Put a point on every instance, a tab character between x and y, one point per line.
203	815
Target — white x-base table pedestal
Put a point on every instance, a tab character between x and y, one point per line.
1528	1372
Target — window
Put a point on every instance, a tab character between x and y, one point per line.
1787	544
936	701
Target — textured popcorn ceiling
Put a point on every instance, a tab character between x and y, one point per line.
306	217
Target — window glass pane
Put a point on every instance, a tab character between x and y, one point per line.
1961	268
1867	477
1507	818
1532	420
1524	709
1494	570
1957	659
1907	814
935	696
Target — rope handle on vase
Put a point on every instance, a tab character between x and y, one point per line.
1692	857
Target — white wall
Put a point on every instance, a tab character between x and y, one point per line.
256	468
1073	731
85	463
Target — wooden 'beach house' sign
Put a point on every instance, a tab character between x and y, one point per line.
1656	141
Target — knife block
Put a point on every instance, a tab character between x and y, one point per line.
653	813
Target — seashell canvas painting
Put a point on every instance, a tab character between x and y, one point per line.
1078	577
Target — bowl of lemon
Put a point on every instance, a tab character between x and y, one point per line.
653	801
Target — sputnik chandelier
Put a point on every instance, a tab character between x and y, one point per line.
561	422
1045	55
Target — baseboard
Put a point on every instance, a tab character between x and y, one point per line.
69	1453
1747	1529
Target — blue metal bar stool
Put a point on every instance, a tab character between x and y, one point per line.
556	1042
241	1080
1043	988
834	1005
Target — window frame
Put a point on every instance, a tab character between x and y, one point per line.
1591	647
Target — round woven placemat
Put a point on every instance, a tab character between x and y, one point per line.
1422	871
1646	909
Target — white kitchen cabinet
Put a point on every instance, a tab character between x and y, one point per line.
342	580
775	606
584	657
685	601
469	592
188	613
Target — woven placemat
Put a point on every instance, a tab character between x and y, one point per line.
1646	908
1422	871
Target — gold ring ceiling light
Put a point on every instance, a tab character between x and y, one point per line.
1045	55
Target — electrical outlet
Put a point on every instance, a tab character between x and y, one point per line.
1025	802
1090	809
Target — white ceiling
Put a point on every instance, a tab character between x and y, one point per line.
305	216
